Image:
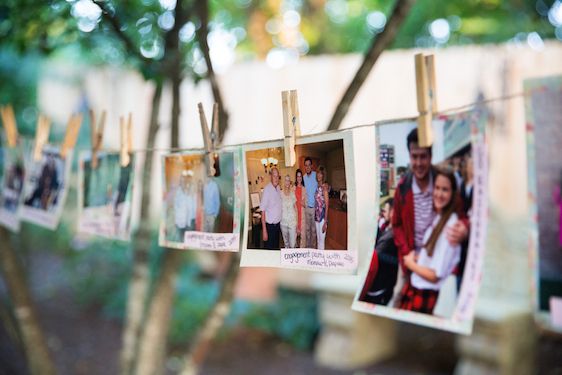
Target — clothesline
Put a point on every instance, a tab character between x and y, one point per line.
448	111
376	123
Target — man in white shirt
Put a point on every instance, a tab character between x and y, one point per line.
310	185
271	210
184	205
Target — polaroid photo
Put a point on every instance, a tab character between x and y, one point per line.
202	212
544	137
45	187
13	177
104	196
418	273
305	216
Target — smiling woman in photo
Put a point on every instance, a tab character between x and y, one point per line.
437	258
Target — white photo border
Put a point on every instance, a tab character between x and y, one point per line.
462	318
83	157
272	258
237	217
40	217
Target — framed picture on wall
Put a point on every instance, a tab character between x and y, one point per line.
255	200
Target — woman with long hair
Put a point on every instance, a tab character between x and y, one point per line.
300	195
438	258
321	203
288	214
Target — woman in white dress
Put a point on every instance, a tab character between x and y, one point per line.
289	214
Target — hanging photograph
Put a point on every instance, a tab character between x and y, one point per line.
201	212
45	187
426	264
104	196
12	186
544	137
302	216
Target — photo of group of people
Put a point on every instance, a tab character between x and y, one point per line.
104	196
544	137
45	188
422	240
298	207
12	187
201	211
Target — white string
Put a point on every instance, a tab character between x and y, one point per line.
376	123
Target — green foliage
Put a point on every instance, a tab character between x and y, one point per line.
18	86
342	26
99	275
137	32
293	317
194	299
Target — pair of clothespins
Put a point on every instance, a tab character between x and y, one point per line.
42	135
10	126
426	93
210	137
126	139
291	125
96	136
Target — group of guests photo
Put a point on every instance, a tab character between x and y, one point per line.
296	209
422	238
196	205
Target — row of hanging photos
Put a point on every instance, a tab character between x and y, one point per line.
426	104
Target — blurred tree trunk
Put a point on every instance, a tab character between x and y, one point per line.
215	320
140	280
146	334
153	344
202	10
153	340
35	345
152	348
380	42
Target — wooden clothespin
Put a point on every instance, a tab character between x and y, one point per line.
41	136
126	139
291	125
96	136
210	137
426	96
10	126
71	135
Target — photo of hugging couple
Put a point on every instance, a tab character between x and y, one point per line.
424	225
